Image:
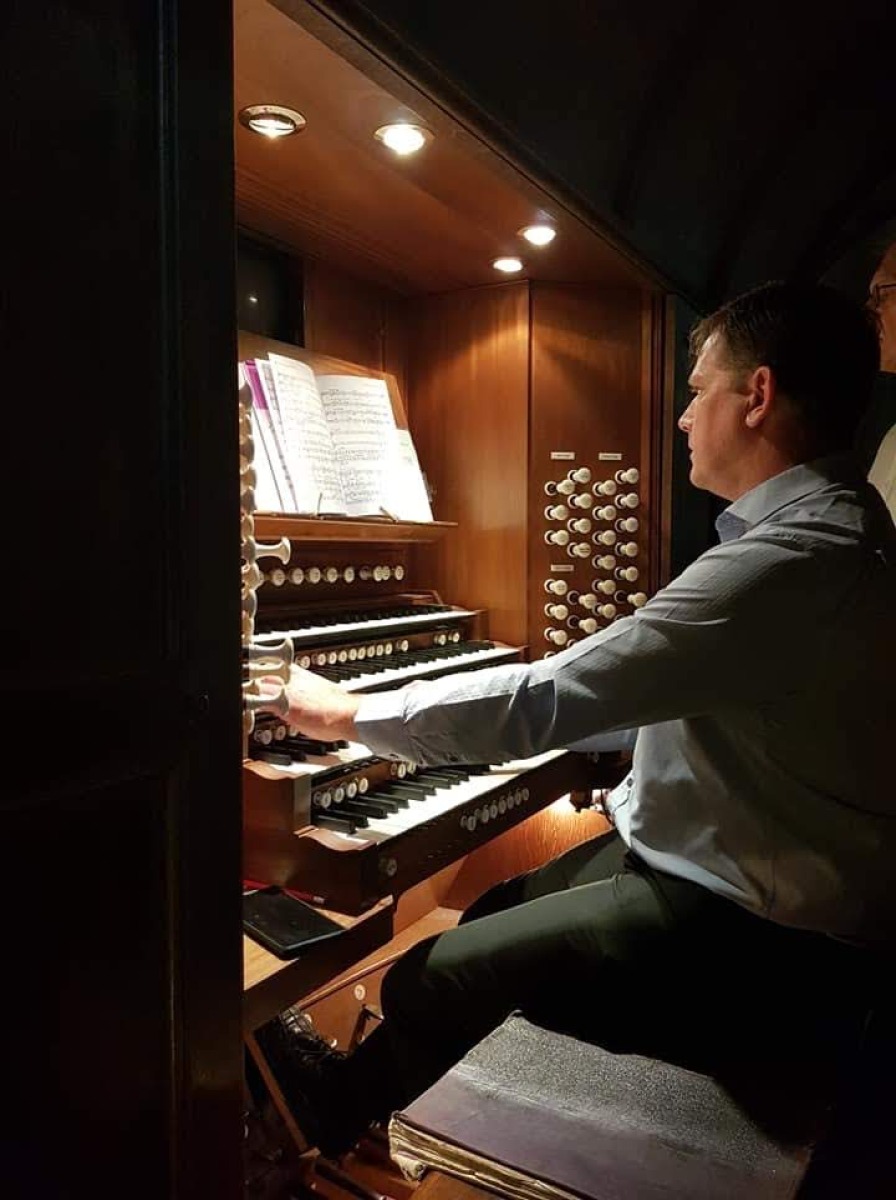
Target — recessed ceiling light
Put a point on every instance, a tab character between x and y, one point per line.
272	120
403	138
539	235
508	265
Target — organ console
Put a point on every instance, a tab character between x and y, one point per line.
333	819
534	406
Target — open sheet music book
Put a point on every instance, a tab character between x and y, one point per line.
329	444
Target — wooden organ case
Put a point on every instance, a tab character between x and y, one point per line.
535	408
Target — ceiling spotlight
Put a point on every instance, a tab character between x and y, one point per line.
508	265
539	235
403	138
272	120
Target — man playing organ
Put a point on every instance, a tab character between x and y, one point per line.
733	905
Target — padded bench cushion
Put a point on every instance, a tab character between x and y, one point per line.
535	1115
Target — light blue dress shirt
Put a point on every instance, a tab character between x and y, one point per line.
762	680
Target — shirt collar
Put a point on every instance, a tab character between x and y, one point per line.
791	485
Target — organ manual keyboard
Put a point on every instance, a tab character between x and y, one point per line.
333	820
352	828
372	649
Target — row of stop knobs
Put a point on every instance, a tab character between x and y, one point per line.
604	537
301	575
593	521
603	487
595	604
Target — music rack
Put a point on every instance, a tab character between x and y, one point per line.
347	529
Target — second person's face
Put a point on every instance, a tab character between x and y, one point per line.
886	308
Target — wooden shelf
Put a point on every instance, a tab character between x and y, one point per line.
346	529
271	984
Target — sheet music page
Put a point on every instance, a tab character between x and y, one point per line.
315	476
267	445
406	495
265	377
267	497
359	413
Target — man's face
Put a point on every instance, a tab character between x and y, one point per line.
714	421
886	308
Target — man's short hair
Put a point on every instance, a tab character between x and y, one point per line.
823	348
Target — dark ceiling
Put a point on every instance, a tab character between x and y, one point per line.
725	143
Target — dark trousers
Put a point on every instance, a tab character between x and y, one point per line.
599	945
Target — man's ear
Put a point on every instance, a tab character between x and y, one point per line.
761	391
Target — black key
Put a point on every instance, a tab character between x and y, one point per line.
412	790
363	808
387	804
329	820
275	757
449	778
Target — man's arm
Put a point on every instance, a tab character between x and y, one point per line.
730	630
317	708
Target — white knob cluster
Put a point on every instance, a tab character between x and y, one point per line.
381	573
589	517
298	576
274	661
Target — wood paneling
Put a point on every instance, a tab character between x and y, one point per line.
469	379
588	394
349	318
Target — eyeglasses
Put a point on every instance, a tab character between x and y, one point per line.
876	294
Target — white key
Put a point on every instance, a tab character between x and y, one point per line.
315	633
399	675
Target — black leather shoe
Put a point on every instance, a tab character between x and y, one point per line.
307	1070
305	1037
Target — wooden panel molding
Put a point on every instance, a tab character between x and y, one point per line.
468	377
